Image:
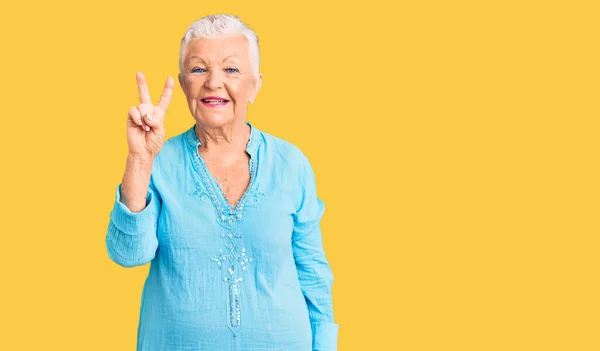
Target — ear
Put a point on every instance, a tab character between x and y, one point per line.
257	86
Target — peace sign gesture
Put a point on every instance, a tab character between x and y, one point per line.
145	122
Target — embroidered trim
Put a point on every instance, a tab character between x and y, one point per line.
230	256
235	313
225	212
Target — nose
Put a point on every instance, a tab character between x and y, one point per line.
214	80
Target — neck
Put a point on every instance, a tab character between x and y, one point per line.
228	139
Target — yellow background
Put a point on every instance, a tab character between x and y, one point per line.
455	145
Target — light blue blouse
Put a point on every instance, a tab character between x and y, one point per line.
250	278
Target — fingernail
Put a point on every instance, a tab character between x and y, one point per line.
147	128
149	117
140	122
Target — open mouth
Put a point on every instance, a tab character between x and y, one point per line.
212	102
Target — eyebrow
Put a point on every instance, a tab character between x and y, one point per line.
200	58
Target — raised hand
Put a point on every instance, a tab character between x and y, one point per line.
145	122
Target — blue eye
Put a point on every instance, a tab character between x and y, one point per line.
198	70
232	70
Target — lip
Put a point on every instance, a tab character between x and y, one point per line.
214	98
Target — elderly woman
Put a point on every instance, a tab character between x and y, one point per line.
227	215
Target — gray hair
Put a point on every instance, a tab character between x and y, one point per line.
214	25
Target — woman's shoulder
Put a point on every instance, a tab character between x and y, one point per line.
283	148
173	149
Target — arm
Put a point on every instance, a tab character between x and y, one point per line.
131	238
314	272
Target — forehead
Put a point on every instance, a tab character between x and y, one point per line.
216	49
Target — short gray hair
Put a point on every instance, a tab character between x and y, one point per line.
214	25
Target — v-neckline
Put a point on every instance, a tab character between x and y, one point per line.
227	211
219	189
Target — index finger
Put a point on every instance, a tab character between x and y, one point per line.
143	89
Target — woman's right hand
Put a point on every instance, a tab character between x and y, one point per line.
145	122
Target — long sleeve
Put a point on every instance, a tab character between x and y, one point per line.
131	239
314	272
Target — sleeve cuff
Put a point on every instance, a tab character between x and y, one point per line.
325	336
128	222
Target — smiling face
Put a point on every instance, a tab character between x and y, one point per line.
217	79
